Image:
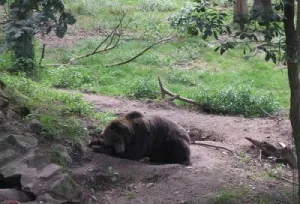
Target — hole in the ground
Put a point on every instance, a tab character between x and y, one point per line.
14	183
197	134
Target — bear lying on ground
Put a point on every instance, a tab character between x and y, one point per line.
136	136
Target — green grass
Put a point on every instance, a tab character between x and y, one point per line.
59	112
245	195
188	66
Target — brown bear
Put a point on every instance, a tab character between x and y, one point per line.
136	136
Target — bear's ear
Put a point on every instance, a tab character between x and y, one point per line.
133	115
117	126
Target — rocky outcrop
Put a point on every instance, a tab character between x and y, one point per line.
26	171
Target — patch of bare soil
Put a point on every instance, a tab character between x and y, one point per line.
73	35
114	180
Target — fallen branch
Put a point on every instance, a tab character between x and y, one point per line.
282	154
139	54
165	91
113	35
214	146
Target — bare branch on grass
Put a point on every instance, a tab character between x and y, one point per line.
165	91
141	53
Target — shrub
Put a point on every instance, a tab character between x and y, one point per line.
145	89
62	77
183	21
157	5
240	100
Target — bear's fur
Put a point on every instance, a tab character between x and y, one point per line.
136	136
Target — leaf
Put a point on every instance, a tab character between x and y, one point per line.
222	50
69	18
217	48
267	58
273	57
216	35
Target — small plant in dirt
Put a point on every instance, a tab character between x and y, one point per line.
62	127
157	5
241	100
146	88
57	158
104	118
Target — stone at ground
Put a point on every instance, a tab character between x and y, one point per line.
35	126
13	194
63	152
50	170
66	187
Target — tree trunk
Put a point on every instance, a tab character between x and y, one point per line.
262	4
292	51
240	11
23	47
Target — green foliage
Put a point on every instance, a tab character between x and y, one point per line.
146	88
58	111
57	158
157	5
105	118
183	20
25	20
83	7
241	100
60	128
63	77
182	78
263	25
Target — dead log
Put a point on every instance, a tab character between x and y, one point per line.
281	154
173	96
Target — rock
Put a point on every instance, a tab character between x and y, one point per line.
22	111
2	117
21	141
13	194
7	155
39	160
47	198
11	115
66	187
63	152
4	100
35	126
50	170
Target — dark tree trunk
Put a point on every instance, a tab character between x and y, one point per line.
23	47
240	11
292	51
262	3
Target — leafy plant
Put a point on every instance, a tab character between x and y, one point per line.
145	89
240	100
157	5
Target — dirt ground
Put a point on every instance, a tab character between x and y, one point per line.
214	171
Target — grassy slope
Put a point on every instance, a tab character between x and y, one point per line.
188	66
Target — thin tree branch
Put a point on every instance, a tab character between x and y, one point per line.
139	54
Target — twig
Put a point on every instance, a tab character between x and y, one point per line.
165	91
215	146
139	54
112	35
